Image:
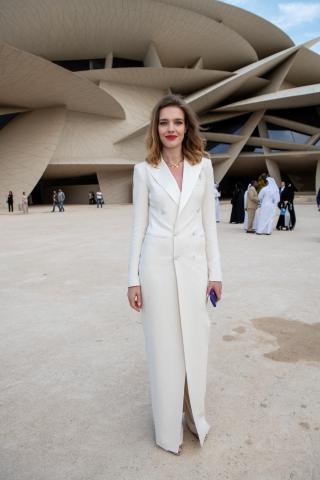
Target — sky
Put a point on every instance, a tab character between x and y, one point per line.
300	20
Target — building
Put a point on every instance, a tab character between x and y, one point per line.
79	79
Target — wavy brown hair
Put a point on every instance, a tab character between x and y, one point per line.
192	145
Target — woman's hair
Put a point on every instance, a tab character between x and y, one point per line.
192	145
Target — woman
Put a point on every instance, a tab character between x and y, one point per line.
237	212
174	263
10	201
24	202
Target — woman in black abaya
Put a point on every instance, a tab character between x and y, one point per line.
237	201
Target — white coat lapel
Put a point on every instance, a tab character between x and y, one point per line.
164	177
190	177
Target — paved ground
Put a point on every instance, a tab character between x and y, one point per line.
74	397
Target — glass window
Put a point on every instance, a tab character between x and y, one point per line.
79	65
231	125
214	147
126	63
308	115
4	119
252	149
97	63
275	132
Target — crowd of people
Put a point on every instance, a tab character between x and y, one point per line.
58	199
257	207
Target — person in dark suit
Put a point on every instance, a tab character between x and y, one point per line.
286	205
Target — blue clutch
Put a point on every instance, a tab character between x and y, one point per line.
213	297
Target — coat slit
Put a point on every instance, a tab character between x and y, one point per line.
187	404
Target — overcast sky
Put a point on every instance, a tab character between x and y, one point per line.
300	20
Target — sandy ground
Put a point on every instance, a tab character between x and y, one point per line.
74	395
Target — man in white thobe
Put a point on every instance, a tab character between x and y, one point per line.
268	198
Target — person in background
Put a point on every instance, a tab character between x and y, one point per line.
91	198
290	205
262	182
54	200
318	200
281	189
61	199
10	201
217	196
24	202
99	198
287	217
252	205
245	223
237	201
268	197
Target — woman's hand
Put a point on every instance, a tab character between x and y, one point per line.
135	297
217	287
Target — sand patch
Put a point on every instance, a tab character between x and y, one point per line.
296	340
239	330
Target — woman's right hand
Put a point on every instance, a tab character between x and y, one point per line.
135	297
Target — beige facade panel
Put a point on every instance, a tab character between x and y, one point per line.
116	184
26	147
234	151
152	58
306	68
247	85
8	110
279	145
93	138
58	32
221	137
294	97
182	80
32	82
211	96
264	36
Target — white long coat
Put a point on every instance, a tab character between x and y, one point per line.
174	252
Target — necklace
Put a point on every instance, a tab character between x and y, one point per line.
175	165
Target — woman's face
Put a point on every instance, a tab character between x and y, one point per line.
172	127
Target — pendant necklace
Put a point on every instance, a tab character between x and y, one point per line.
175	165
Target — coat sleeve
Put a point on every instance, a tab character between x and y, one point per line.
210	226
140	222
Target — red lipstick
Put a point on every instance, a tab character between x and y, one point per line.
171	137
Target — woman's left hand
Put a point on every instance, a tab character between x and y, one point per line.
217	287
